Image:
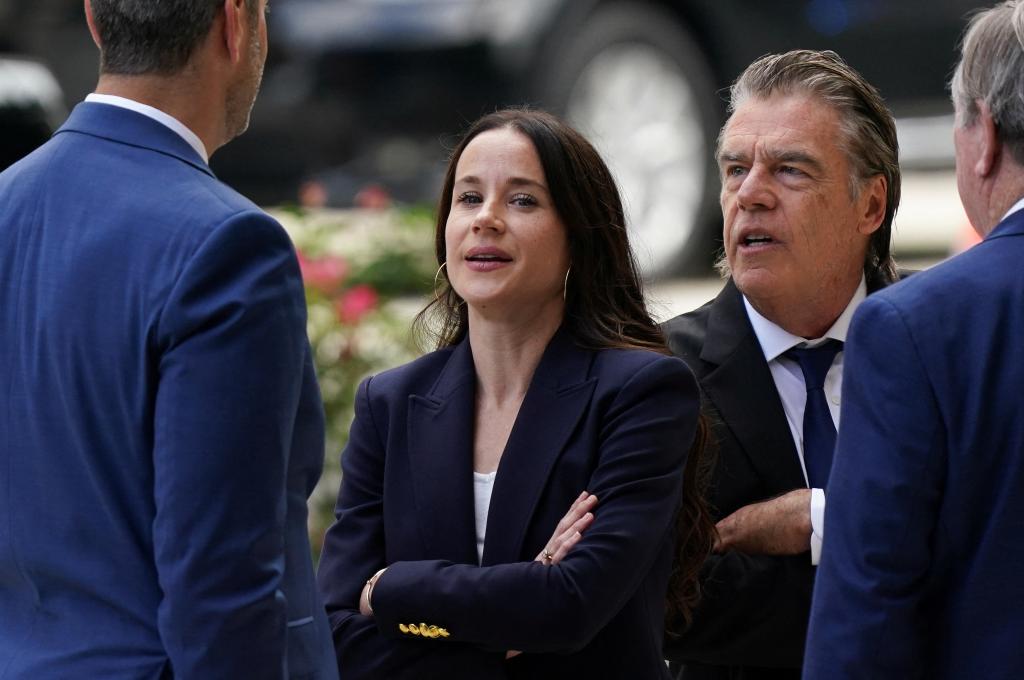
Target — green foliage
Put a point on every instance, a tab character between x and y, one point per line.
366	274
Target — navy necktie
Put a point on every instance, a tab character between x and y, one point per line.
819	430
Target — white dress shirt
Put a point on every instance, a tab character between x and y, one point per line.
156	114
789	381
483	484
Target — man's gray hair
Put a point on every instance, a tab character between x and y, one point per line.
991	69
153	36
867	126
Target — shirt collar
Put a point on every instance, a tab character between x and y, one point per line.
775	340
157	115
1016	207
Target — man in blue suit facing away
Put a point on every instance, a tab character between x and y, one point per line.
921	567
160	424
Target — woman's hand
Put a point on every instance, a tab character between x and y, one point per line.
569	530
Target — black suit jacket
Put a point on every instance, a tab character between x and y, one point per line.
752	619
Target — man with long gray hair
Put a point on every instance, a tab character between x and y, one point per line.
810	185
921	570
160	426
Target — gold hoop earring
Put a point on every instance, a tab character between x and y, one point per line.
565	285
437	298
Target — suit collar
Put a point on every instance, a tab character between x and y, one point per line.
132	128
728	325
441	429
741	387
156	114
1011	225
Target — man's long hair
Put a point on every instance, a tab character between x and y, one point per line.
866	124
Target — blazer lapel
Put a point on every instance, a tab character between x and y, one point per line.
738	385
558	396
441	460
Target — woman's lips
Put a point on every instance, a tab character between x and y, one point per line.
485	259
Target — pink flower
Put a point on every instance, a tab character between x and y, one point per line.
355	303
324	274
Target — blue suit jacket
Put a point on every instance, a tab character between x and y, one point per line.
160	425
920	571
617	423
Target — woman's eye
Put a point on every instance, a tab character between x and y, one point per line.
523	200
468	197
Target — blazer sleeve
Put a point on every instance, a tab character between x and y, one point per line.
884	493
354	549
231	339
535	608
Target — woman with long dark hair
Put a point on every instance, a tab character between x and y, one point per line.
453	554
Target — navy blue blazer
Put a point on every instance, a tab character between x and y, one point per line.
920	574
617	423
160	424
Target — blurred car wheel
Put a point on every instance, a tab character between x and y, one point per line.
635	82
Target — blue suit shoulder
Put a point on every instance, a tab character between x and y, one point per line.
961	286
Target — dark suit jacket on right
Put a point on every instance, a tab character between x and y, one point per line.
752	619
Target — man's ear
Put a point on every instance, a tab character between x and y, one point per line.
89	19
872	204
235	18
989	146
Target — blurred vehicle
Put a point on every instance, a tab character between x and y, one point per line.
369	93
31	107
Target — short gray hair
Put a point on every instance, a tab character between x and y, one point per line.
868	129
153	36
991	69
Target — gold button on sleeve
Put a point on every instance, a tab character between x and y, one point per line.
404	628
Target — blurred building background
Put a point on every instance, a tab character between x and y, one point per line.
362	98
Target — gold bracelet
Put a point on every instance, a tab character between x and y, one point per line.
370	583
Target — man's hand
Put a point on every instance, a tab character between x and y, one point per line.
780	526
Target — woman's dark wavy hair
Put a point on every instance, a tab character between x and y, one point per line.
604	301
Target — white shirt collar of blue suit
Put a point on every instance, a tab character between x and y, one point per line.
1016	207
156	114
